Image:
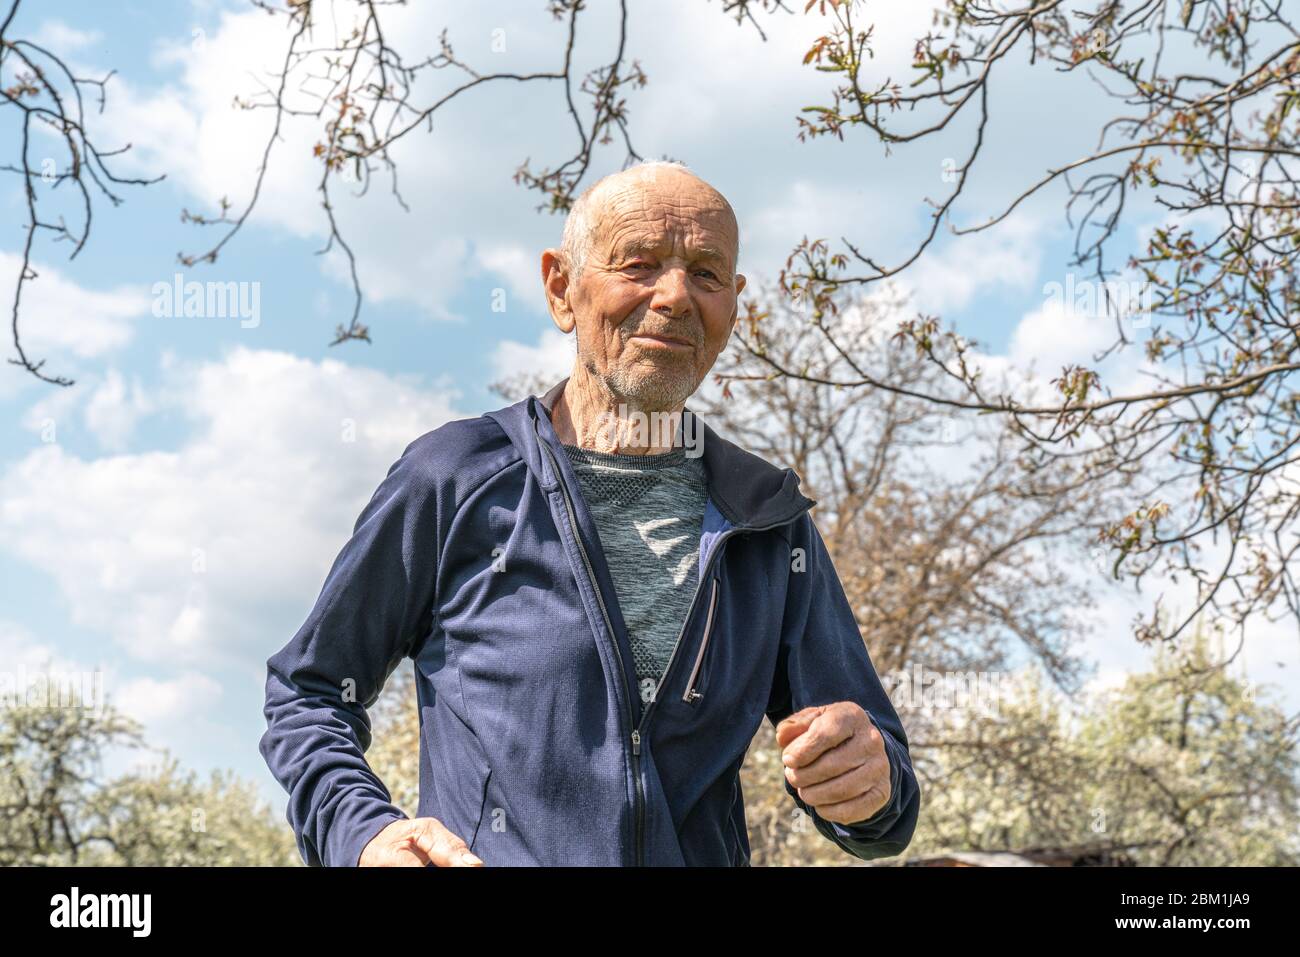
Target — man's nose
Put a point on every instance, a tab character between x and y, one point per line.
672	296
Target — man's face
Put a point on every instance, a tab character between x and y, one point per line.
656	300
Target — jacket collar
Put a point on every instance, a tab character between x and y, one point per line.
749	491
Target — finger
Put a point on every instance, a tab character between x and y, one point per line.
850	753
826	731
796	724
851	784
859	747
858	809
444	849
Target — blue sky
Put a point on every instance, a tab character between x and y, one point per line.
178	529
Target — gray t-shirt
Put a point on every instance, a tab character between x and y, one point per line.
649	510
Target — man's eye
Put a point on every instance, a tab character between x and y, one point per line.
709	273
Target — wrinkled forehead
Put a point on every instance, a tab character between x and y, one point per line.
681	216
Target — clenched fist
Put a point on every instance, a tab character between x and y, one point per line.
417	843
835	758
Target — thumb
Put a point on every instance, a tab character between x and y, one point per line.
796	724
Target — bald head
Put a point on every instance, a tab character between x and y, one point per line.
608	195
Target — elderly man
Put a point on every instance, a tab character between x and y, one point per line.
602	597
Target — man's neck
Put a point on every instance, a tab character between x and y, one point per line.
588	415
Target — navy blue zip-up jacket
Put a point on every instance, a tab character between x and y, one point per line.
477	558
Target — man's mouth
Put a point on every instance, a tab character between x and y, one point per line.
655	340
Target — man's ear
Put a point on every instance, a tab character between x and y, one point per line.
555	283
735	309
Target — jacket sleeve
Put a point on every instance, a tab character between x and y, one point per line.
822	660
376	602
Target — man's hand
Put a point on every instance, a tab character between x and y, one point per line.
417	843
835	758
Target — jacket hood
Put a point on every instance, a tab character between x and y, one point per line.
748	490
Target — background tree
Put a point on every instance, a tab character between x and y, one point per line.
949	542
1204	130
39	93
58	807
1179	765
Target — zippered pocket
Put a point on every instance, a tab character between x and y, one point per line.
691	695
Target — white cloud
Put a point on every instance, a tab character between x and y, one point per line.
61	318
160	702
112	410
62	39
213	149
206	554
691	53
1007	257
1071	328
519	268
1056	335
552	357
105	405
818	209
19	649
429	277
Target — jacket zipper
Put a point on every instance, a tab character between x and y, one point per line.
690	610
638	731
600	600
691	694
